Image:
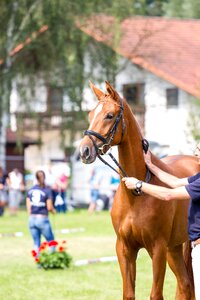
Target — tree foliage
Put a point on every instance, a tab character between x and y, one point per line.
59	52
182	8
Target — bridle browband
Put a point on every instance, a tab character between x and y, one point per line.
108	140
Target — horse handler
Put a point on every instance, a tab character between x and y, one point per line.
180	189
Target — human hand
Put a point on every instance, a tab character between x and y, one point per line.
147	158
130	182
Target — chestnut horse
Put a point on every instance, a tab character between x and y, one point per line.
140	221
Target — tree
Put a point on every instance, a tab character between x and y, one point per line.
57	54
182	9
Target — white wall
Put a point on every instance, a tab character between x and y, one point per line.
162	124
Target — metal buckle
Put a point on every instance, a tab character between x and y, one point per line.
103	149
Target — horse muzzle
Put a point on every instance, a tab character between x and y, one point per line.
87	153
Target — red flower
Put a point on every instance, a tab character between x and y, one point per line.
37	259
52	243
60	249
44	244
42	247
34	253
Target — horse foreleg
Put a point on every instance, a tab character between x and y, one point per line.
159	268
127	264
177	265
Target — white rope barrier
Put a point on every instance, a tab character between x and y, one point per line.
10	234
70	230
84	262
63	231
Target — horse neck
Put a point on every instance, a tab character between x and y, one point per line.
130	150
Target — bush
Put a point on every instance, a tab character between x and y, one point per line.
52	256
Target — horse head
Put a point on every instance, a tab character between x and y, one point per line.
106	124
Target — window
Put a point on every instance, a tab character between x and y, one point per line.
134	93
172	97
55	99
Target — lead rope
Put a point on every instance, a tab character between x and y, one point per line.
117	164
145	146
110	154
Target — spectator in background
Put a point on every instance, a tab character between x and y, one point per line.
15	188
39	204
59	188
114	183
94	181
3	190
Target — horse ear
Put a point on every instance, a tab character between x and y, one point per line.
111	91
98	93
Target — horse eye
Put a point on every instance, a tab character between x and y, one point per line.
109	116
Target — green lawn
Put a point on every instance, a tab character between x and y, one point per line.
21	280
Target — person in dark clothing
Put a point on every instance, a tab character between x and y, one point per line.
39	204
3	190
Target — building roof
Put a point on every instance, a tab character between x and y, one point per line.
169	48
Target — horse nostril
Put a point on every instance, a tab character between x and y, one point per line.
86	152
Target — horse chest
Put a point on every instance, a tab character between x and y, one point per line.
135	226
131	227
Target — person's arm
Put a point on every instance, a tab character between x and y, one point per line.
165	177
28	205
160	192
50	207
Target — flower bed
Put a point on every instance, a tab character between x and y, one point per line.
52	255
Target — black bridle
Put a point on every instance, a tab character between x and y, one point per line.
107	140
102	148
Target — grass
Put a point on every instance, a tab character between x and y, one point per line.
21	280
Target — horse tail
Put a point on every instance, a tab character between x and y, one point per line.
188	262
